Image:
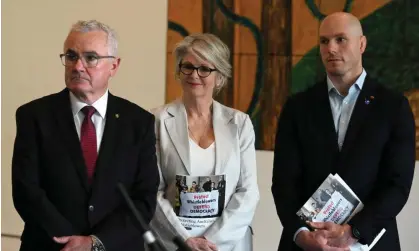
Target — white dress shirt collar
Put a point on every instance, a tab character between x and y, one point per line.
359	83
100	105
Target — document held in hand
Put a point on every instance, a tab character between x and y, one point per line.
334	201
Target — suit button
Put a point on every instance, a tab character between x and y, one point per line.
91	208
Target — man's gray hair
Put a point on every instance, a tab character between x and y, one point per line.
94	25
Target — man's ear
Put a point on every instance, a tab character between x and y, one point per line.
115	66
363	44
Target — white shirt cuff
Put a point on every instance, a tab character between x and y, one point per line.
299	230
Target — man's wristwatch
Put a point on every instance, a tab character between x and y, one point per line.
355	232
97	244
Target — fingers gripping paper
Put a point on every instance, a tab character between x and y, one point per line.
334	201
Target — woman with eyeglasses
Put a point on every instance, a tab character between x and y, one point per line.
199	139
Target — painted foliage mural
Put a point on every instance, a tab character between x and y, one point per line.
274	45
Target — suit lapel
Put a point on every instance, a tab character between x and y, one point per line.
225	133
67	128
177	128
362	108
323	117
104	167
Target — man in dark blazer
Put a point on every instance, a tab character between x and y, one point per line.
350	125
207	185
72	148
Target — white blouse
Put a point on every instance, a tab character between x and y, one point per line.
202	160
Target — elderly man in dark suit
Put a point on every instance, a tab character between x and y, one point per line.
72	148
351	125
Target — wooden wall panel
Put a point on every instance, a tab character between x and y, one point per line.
273	96
215	22
289	31
187	13
244	80
305	28
276	27
244	42
362	9
245	53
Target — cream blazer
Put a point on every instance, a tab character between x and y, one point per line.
235	157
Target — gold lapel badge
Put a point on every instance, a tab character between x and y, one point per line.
116	115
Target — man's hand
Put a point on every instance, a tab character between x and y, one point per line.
201	244
316	241
75	243
339	235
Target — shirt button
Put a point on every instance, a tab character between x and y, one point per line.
91	208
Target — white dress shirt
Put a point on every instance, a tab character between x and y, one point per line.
342	106
98	118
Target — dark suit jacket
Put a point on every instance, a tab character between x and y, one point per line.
50	188
377	158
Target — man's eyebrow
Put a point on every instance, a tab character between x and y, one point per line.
90	52
70	51
86	52
340	35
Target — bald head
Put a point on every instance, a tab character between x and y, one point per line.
346	22
342	44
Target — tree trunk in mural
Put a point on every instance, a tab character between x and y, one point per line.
217	23
276	26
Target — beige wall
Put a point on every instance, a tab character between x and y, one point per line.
33	33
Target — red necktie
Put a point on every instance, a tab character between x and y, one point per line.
88	141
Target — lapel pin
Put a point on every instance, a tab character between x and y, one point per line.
368	101
116	115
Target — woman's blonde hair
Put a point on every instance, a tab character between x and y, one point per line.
209	48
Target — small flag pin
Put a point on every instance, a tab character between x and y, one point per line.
116	115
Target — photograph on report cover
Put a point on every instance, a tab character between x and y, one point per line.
199	201
332	201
